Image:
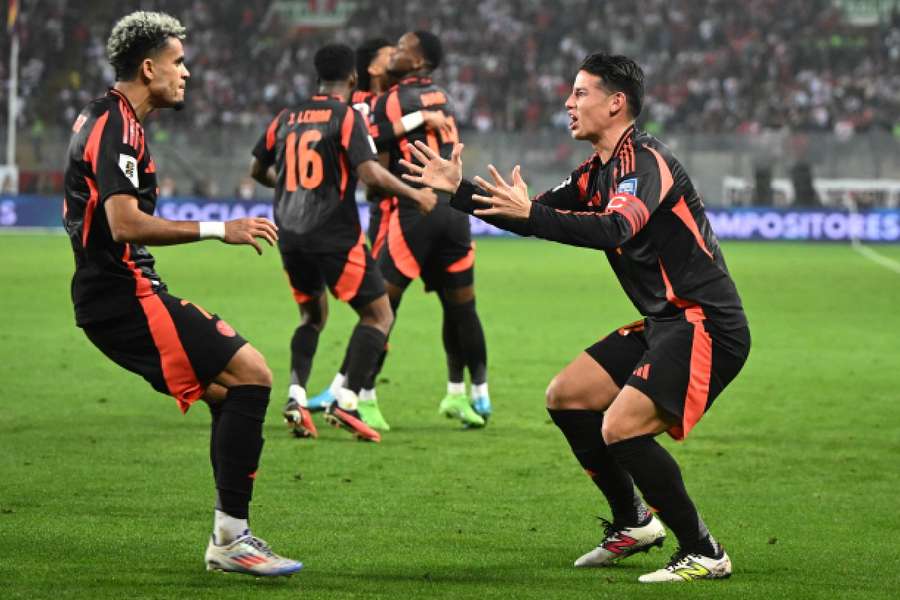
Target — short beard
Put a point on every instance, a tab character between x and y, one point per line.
178	105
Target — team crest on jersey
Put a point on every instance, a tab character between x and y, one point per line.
627	186
128	164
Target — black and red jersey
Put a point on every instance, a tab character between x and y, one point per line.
316	147
411	95
107	155
642	209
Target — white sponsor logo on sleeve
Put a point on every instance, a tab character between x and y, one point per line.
128	164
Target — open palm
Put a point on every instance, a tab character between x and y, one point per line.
434	172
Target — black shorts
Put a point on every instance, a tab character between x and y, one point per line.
682	363
174	344
351	275
379	218
437	247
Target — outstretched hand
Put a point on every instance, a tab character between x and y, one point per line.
505	200
246	230
434	172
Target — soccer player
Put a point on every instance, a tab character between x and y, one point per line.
437	246
374	79
634	200
123	305
312	154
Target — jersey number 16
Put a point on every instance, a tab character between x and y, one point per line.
300	158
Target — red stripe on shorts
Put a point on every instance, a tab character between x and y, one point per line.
399	249
354	269
701	370
176	368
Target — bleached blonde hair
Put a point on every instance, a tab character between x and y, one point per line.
136	36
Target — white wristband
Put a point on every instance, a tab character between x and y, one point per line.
212	230
412	120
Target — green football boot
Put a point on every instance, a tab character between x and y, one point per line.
456	406
371	414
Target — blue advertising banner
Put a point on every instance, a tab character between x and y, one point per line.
879	225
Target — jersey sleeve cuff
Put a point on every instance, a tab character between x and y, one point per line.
462	198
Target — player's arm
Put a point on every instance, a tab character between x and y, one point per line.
360	149
265	175
375	176
261	167
637	195
128	224
384	131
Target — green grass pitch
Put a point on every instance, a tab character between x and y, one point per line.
106	491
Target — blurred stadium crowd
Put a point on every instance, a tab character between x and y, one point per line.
713	66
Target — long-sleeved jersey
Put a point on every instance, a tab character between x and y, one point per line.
642	209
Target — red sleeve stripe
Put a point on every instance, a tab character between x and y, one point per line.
270	132
682	211
665	174
631	208
347	127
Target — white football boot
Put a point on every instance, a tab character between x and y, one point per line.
685	566
619	543
249	555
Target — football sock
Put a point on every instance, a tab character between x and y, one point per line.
658	477
583	431
367	394
347	399
456	361
470	337
237	444
366	344
379	364
456	388
303	348
297	394
215	411
226	528
479	390
338	382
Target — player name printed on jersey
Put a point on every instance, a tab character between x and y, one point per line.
311	116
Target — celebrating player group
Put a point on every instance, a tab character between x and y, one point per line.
377	116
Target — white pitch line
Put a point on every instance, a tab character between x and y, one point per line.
884	261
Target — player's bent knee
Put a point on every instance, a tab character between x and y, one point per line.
248	367
558	394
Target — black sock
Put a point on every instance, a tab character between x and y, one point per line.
237	444
456	362
215	411
366	346
470	337
583	430
303	349
370	380
658	477
345	362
